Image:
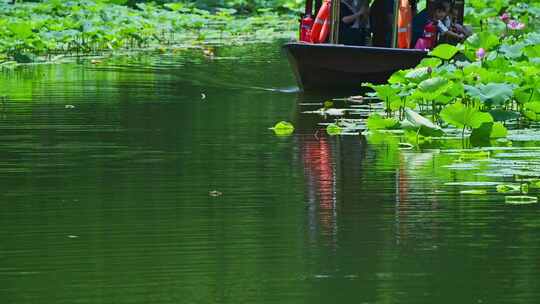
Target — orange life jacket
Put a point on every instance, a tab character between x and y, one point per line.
404	30
321	26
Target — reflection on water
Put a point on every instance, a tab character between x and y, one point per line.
106	172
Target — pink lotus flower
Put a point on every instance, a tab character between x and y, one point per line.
480	53
505	17
515	25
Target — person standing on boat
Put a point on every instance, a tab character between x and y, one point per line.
354	22
382	22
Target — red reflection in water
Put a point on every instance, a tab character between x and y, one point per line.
320	176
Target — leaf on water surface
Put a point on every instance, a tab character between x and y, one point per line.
377	122
472	184
333	129
508	188
520	200
474	191
444	51
283	128
461	116
215	193
491	93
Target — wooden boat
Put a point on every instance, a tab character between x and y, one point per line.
319	67
334	66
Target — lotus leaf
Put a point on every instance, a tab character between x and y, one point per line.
489	130
462	116
512	51
384	92
377	122
474	191
21	30
503	115
418	74
531	110
521	200
532	51
430	62
423	125
491	93
398	77
444	51
485	40
283	128
333	129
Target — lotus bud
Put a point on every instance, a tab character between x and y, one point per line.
480	53
505	17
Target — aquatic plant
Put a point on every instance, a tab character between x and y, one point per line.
479	86
283	128
38	31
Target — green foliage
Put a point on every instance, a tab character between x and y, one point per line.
283	128
462	116
491	93
29	30
333	129
444	51
377	122
421	124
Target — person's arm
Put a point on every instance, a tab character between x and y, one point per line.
454	35
352	18
445	31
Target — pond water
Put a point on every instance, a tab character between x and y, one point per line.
155	179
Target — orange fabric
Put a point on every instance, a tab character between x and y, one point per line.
404	35
321	26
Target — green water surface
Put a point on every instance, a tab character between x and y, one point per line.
155	179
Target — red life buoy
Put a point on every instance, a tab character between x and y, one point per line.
321	26
404	30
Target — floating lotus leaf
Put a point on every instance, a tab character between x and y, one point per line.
462	116
521	200
508	188
444	51
474	191
333	129
377	122
283	128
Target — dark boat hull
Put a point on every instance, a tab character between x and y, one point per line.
320	67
